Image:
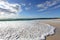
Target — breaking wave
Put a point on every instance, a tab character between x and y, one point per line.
25	30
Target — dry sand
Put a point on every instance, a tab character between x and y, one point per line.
55	23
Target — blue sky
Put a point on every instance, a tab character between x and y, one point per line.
38	8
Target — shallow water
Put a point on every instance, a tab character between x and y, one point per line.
32	30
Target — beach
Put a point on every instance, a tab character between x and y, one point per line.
53	23
56	24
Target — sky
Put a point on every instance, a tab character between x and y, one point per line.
30	8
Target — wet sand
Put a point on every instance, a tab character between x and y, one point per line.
55	23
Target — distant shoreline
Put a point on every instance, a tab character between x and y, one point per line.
27	19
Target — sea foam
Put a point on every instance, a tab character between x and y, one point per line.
25	30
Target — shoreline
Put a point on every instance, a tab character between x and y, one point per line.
56	24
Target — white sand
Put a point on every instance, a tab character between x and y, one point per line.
25	30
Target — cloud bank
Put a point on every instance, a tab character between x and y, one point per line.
8	9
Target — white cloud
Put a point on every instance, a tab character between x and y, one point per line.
23	4
27	8
8	8
40	10
49	3
29	4
42	7
46	5
58	6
